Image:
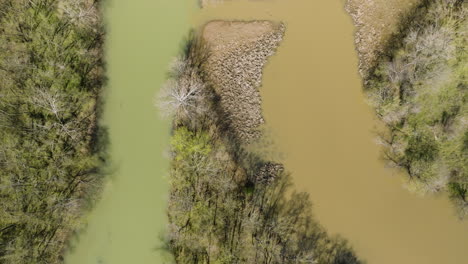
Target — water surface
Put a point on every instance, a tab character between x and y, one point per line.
124	227
315	109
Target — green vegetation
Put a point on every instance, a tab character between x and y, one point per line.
228	205
419	91
50	78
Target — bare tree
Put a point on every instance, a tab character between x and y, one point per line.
182	96
80	12
48	101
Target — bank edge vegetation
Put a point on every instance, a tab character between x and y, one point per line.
51	74
228	205
419	90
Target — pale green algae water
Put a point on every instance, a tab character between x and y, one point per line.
124	226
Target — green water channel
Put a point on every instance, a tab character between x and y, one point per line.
124	226
314	106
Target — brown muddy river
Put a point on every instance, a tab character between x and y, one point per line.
315	110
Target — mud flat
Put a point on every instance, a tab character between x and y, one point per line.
375	21
238	51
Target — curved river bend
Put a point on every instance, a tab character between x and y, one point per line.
315	110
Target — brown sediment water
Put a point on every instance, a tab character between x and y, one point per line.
316	112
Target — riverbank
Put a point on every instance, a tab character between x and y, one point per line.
228	204
415	80
376	21
316	134
51	146
238	52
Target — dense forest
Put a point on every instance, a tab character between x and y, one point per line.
229	205
51	74
419	90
